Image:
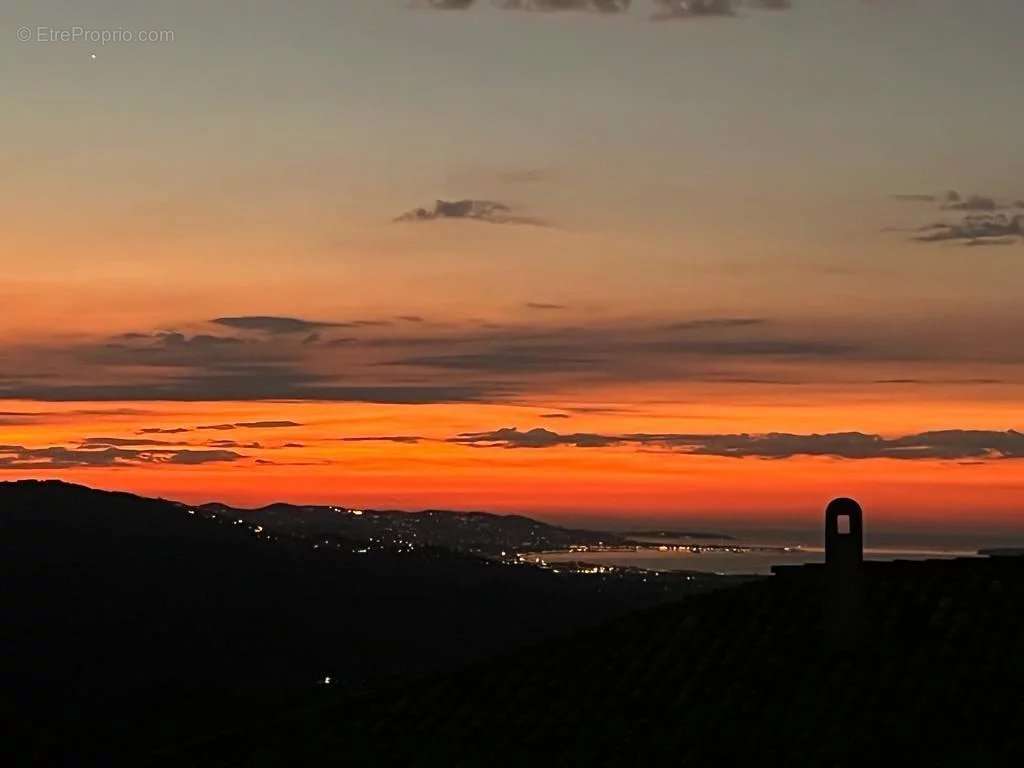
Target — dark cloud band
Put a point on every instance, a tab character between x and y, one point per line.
469	210
955	444
18	457
478	362
666	9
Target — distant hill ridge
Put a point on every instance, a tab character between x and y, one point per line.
479	533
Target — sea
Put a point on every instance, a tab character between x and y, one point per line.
757	552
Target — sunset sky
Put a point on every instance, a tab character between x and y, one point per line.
685	261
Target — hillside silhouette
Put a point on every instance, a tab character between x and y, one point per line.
154	633
133	621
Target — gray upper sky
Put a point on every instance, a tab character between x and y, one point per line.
743	162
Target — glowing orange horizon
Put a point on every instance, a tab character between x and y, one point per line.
557	483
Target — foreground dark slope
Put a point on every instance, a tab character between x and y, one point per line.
747	674
130	621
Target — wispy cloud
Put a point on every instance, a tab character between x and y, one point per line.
250	425
913	197
974	203
233	444
982	226
511	437
470	210
404	439
951	444
600	6
448	5
274	325
19	457
980	229
665	9
125	442
597	6
280	424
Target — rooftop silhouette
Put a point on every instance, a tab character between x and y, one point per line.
843	663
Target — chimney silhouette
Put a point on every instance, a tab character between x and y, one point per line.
844	544
844	555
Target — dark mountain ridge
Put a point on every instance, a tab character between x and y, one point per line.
117	606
